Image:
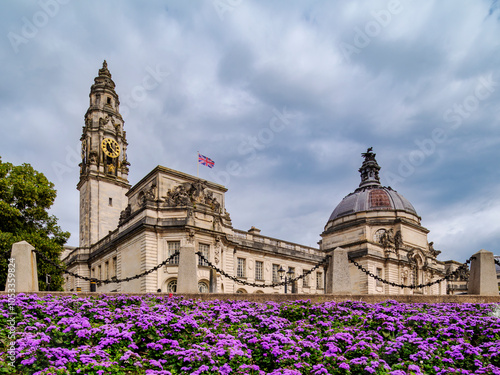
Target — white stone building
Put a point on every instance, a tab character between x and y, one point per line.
126	230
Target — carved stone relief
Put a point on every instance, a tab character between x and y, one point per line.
191	194
125	214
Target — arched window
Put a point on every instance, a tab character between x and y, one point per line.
172	286
241	291
202	287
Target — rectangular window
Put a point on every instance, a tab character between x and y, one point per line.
106	270
276	278
319	280
242	265
259	266
174	246
93	272
99	272
114	271
110	202
379	274
305	279
203	249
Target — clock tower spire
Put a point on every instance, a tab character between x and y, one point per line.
104	167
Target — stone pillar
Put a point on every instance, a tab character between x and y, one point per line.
187	279
338	277
483	276
26	272
213	281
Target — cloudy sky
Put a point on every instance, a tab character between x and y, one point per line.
284	96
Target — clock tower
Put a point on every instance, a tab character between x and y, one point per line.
104	167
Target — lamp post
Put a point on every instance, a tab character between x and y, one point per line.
281	273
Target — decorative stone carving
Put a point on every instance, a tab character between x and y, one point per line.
151	192
93	157
217	250
191	194
387	239
398	240
190	236
433	252
125	214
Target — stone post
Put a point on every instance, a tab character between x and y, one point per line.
187	279
338	277
213	281
26	272
483	276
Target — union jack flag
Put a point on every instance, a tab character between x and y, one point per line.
203	160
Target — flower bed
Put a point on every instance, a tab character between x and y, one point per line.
160	335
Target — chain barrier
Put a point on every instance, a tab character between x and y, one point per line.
497	261
287	281
108	281
455	273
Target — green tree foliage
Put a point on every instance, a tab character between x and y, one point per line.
25	197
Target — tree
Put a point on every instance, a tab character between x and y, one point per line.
25	197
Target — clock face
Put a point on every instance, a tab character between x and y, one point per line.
110	147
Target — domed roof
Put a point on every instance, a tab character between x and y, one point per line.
371	195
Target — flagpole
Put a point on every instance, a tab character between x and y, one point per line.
197	165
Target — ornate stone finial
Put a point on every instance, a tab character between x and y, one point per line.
104	71
369	169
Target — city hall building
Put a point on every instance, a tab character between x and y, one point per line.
126	230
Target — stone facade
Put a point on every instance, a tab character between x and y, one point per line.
382	232
125	230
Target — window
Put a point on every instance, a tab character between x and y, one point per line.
203	249
106	270
276	278
93	272
305	279
174	246
114	270
203	287
319	280
109	100
241	291
110	202
240	271
379	274
172	286
99	272
259	266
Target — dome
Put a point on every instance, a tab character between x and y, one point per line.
371	195
372	198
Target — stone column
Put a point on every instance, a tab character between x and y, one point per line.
187	279
338	277
483	276
213	281
26	272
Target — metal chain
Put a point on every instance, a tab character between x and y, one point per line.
497	262
463	267
108	281
289	281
